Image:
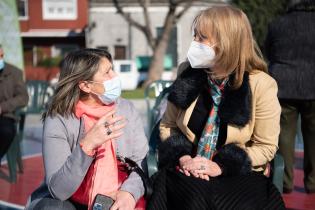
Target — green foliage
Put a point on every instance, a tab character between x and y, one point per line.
136	94
260	13
50	62
133	94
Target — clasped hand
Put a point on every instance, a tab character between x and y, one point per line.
199	167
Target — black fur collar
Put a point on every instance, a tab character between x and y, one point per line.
235	107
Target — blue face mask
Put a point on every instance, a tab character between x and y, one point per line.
112	91
1	64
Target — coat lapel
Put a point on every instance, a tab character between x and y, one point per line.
235	107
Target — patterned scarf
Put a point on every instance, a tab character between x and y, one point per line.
209	137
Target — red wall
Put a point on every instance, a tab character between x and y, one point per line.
40	73
35	18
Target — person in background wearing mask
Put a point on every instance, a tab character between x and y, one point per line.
87	125
221	125
13	95
290	49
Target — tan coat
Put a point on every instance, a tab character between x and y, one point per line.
259	137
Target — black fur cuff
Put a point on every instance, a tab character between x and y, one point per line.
233	160
172	149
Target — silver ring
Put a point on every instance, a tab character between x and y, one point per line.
202	167
106	124
108	131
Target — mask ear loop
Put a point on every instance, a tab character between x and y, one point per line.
97	94
95	82
211	46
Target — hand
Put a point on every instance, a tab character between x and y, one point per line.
182	161
124	201
201	166
99	133
185	160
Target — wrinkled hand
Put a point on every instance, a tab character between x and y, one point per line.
99	134
202	167
123	201
182	161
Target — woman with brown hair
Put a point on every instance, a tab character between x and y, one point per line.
221	124
86	127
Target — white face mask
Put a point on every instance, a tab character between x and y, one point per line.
112	90
200	55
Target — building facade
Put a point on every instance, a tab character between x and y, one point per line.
50	29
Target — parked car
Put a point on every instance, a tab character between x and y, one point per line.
128	73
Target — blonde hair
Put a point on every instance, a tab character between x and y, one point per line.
236	49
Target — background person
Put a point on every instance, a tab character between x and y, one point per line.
290	45
13	95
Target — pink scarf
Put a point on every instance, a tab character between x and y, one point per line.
102	176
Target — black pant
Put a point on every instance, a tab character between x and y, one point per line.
174	190
7	134
54	204
289	116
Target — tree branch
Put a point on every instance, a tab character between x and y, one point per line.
184	10
169	23
127	17
134	23
145	4
180	1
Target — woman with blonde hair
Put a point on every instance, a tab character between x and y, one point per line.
221	125
86	128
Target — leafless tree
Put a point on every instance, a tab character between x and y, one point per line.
176	9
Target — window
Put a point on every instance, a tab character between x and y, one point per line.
125	68
171	53
62	50
102	48
28	55
22	6
34	55
60	10
120	52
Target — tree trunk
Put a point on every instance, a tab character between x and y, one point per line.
158	46
157	61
